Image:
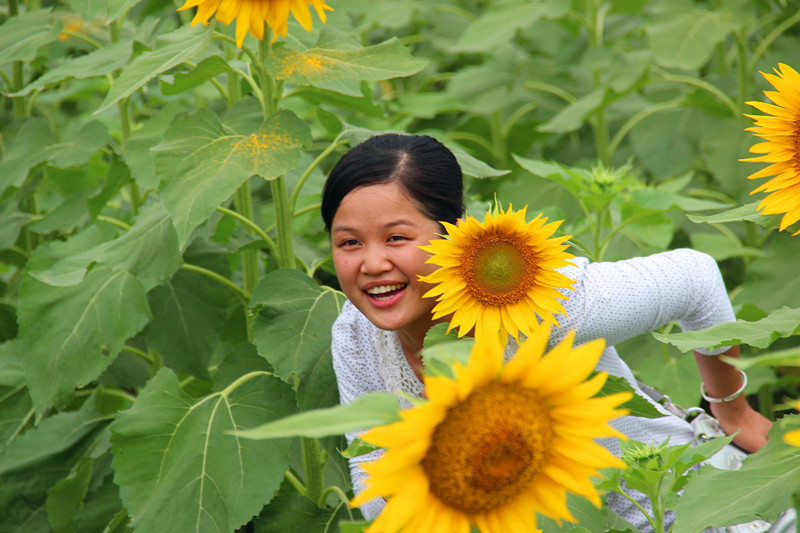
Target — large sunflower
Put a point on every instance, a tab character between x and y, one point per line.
497	444
497	275
252	14
781	130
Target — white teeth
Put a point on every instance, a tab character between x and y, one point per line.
383	289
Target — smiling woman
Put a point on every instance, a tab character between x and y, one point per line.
381	204
391	195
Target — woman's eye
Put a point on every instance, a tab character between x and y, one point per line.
396	238
349	242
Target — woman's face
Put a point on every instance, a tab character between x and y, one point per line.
375	237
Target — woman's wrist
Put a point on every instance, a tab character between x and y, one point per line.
710	398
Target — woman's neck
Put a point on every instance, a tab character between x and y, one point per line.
412	342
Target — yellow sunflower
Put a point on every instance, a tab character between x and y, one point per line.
781	130
497	275
497	444
252	14
793	437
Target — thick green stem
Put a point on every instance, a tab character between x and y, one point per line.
30	239
17	71
283	223
498	141
232	79
244	205
313	463
125	124
742	70
599	122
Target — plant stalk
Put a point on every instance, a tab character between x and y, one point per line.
742	71
283	223
313	463
244	205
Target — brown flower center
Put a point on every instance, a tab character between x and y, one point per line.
489	447
499	268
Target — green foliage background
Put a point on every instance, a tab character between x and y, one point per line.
165	278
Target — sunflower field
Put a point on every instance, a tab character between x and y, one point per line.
166	283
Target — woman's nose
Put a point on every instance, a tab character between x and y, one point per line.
375	261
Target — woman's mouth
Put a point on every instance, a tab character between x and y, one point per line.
385	292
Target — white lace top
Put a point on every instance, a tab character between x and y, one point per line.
615	301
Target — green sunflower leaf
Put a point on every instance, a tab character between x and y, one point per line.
39	458
69	335
65	497
173	452
747	212
149	251
383	61
293	332
498	26
784	322
21	36
374	409
189	314
110	10
637	406
97	63
24	151
204	71
183	44
761	488
201	164
292	512
687	39
138	155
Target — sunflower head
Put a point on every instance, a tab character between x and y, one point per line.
498	275
251	15
780	129
496	444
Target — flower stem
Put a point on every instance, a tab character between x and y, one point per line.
221	279
283	223
325	153
17	71
743	72
125	124
253	226
599	121
283	205
313	463
244	205
296	483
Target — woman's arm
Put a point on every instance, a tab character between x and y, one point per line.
626	298
720	380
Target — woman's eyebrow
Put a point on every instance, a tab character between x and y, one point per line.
388	225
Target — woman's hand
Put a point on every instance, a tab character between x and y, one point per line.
737	415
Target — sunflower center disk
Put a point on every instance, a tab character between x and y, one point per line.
489	447
499	269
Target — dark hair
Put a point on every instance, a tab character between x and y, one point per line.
422	166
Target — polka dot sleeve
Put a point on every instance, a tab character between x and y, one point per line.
623	299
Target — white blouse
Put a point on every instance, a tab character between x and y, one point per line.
615	301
